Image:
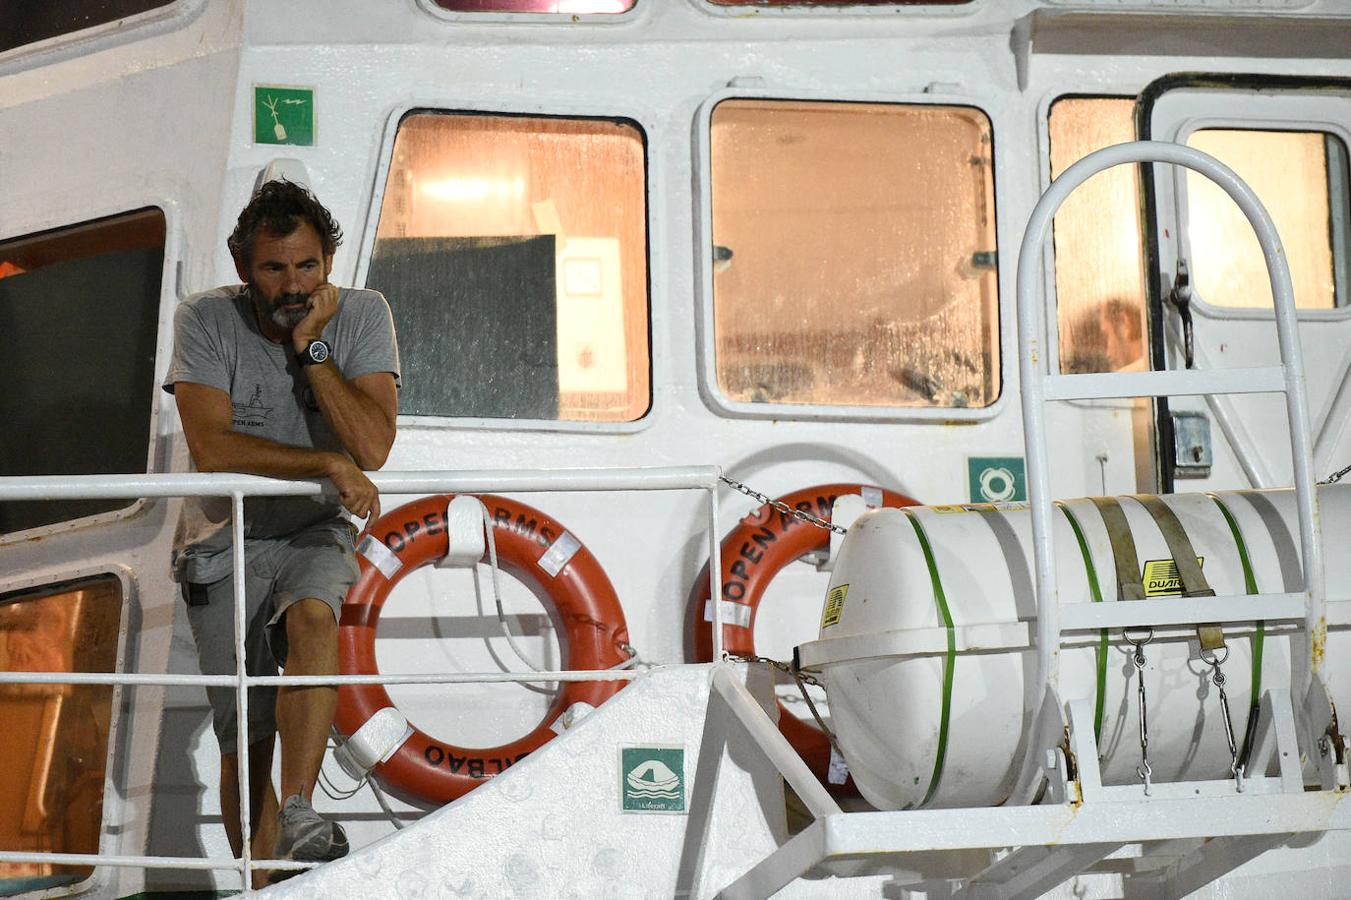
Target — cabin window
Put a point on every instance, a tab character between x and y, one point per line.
570	7
839	2
79	314
854	259
513	253
28	23
1301	178
1099	281
56	735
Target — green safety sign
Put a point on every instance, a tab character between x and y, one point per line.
996	479
283	115
652	779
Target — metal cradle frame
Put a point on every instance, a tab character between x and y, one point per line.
1062	820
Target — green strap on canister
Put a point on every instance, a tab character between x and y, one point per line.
1250	587
1100	700
949	660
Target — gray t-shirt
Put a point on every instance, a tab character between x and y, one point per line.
217	343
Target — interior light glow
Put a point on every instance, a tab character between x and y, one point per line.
465	190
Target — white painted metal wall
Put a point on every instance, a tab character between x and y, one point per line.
161	115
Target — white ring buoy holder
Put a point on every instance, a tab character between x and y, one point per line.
761	545
541	553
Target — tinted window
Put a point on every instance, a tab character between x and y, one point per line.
567	7
78	320
838	2
29	21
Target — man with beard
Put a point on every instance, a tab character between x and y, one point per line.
287	376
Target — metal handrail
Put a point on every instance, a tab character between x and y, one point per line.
1034	395
237	487
1034	358
455	481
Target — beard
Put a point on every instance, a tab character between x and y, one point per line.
286	311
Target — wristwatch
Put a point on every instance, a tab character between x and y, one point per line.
314	353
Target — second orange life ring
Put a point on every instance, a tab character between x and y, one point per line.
536	549
753	552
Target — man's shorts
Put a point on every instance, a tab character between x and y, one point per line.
316	563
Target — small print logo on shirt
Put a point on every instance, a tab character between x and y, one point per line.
252	414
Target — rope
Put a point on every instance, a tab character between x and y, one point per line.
633	658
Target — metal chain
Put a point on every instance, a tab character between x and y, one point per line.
782	507
786	668
802	679
1143	770
1336	476
1217	678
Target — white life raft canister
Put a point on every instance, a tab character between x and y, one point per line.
928	627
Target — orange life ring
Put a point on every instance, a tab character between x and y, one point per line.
753	552
538	551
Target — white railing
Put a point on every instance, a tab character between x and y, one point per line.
237	487
1036	357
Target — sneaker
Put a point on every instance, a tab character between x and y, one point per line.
305	836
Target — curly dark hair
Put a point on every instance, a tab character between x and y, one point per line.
278	209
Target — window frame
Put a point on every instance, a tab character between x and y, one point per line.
706	342
1223	123
1282	87
113	804
366	247
171	293
570	20
173	15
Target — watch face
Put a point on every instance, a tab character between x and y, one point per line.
318	351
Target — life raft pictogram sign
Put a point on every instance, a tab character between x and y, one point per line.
757	549
538	551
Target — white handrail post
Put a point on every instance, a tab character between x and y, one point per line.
714	572
242	685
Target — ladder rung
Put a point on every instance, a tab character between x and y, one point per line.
1182	611
1172	383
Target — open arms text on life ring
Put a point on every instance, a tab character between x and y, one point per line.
753	552
546	558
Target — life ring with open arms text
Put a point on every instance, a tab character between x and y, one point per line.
758	548
539	552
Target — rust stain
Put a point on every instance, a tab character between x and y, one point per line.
1076	799
1319	642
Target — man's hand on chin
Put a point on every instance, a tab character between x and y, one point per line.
323	304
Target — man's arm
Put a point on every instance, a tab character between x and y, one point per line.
207	417
361	412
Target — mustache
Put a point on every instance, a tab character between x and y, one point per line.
281	299
286	311
290	299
